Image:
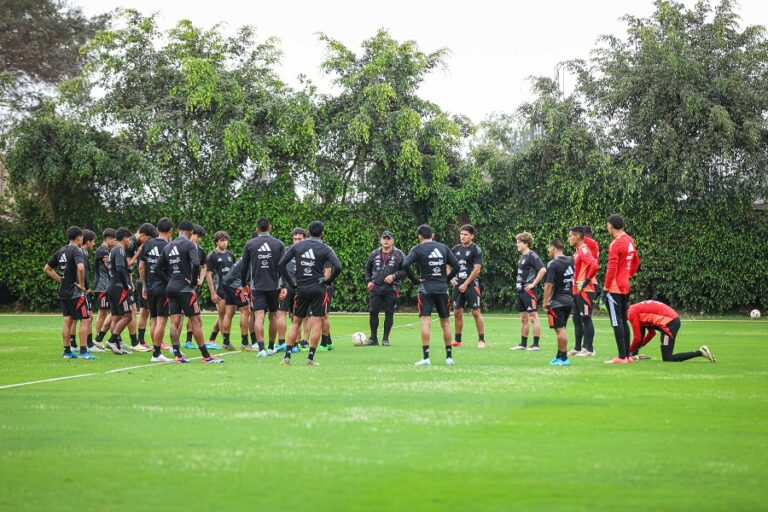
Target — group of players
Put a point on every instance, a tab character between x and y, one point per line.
272	281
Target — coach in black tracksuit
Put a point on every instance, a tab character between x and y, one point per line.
384	273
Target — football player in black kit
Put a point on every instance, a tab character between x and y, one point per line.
101	282
466	285
219	262
154	288
558	299
317	266
530	272
180	263
384	274
120	291
437	265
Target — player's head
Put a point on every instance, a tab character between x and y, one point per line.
146	231
576	235
587	230
316	229
198	233
556	247
123	237
298	234
185	228
524	241
425	232
108	237
221	239
615	223
89	238
467	234
263	225
387	239
75	234
165	226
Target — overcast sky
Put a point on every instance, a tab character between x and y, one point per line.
495	45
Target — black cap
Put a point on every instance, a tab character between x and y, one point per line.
387	234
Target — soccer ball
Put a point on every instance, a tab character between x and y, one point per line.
358	339
754	314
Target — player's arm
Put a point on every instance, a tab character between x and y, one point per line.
246	265
143	276
637	334
194	263
407	262
282	267
539	276
121	267
477	267
369	271
399	274
453	265
635	266
335	266
209	279
613	265
548	286
51	273
135	256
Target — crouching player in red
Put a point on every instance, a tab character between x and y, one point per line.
650	316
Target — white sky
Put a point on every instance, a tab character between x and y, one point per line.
495	45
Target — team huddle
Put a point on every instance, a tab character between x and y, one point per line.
275	282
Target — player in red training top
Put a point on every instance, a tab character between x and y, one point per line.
650	316
623	263
585	269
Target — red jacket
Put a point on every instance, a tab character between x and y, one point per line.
594	248
584	268
652	316
623	262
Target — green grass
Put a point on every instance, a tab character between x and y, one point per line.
368	431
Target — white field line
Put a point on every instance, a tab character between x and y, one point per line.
135	367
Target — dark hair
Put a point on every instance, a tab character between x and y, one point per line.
185	225
263	224
557	244
198	230
577	229
108	233
425	231
220	235
299	231
122	234
316	228
587	230
525	238
616	220
148	229
88	235
73	232
164	225
469	228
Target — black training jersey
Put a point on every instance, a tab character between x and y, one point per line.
119	273
130	252
560	274
65	262
219	264
291	269
150	255
87	262
101	269
312	257
468	257
180	263
381	264
261	256
432	259
527	268
232	278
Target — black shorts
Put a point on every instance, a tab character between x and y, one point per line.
558	317
103	299
183	303
469	299
527	301
264	300
78	309
158	304
383	300
120	301
583	304
232	298
138	295
430	301
311	301
288	302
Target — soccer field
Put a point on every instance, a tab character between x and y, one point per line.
369	431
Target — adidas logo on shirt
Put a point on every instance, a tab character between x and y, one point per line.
310	255
265	248
63	258
435	254
154	252
174	251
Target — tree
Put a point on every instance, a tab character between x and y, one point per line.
39	47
